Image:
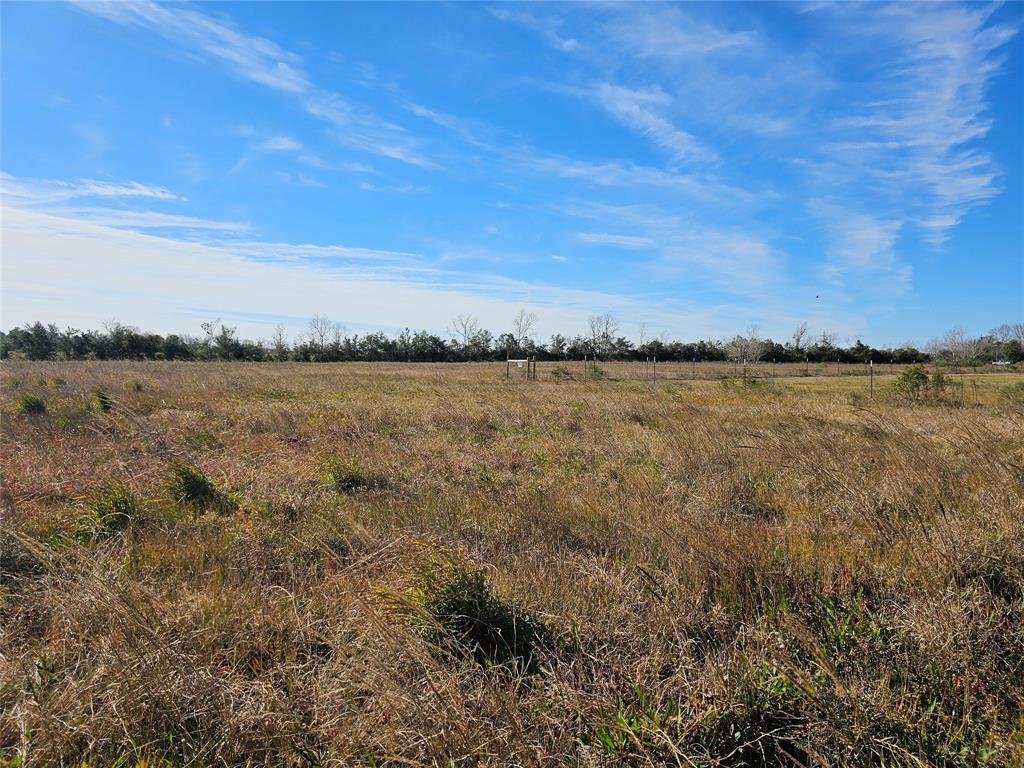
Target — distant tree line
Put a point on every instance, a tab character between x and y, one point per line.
327	341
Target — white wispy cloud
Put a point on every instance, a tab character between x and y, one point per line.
546	26
145	220
912	133
650	30
861	246
315	161
638	109
250	57
45	191
735	261
266	63
621	173
620	241
279	144
95	271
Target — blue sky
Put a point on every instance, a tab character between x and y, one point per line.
695	169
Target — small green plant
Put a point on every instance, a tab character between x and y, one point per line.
466	609
640	721
201	440
100	400
134	386
109	509
59	381
561	373
41	382
347	475
192	489
30	404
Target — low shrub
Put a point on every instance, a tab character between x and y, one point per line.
30	404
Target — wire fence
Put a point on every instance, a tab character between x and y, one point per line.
639	370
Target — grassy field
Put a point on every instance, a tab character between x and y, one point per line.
249	564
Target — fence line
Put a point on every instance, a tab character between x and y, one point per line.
654	370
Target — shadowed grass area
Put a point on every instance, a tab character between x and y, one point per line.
429	565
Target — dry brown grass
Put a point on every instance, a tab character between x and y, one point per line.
506	573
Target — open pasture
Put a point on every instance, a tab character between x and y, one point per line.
360	564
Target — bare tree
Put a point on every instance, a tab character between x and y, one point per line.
1009	332
523	326
798	337
955	344
463	328
338	333
603	329
320	328
755	344
641	334
748	348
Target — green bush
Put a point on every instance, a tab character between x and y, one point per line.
190	488
916	384
30	404
491	629
913	381
347	475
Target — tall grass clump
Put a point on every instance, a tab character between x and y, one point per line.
109	509
189	488
100	400
348	475
30	404
468	612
